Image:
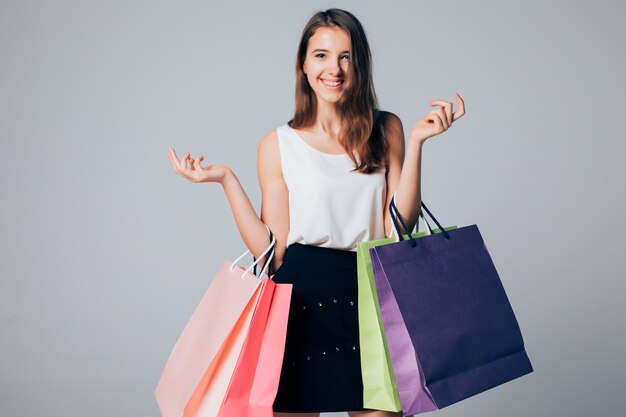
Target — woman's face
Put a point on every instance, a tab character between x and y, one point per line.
327	63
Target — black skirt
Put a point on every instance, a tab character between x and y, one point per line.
321	369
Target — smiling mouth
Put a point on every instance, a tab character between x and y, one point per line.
332	84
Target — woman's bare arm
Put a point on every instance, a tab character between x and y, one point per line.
275	196
250	226
394	135
404	176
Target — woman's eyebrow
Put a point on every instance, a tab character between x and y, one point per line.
326	50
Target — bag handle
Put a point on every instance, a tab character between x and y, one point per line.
269	269
267	263
393	210
416	228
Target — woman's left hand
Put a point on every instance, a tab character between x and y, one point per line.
438	120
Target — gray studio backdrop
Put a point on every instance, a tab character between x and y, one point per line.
105	251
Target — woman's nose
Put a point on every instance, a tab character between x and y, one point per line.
335	68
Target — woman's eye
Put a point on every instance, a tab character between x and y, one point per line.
320	55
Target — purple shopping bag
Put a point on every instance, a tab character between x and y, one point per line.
409	377
461	326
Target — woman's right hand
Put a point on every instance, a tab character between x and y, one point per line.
197	173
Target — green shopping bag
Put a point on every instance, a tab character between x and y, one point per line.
379	386
380	391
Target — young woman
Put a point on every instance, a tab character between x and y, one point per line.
327	177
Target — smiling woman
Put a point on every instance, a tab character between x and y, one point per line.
330	67
327	177
334	74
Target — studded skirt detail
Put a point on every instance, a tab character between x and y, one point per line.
321	369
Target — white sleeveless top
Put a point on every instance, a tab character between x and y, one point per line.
329	206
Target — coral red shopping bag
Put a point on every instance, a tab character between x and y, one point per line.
254	384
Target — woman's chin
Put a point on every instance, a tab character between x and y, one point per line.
331	99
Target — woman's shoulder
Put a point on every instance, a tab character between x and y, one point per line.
269	148
390	120
394	134
392	126
270	138
273	140
269	142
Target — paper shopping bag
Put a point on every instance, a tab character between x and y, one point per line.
209	345
254	384
462	329
267	376
385	387
232	369
379	386
238	393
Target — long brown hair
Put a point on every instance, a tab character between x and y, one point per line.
362	121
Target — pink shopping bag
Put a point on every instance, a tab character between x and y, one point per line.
212	390
265	386
254	384
210	344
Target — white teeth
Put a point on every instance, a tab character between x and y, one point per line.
332	83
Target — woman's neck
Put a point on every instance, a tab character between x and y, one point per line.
328	119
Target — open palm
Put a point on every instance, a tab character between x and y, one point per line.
195	172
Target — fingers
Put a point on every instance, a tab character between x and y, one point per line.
180	166
461	107
436	118
195	163
170	156
447	110
174	160
439	122
439	118
183	161
443	116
